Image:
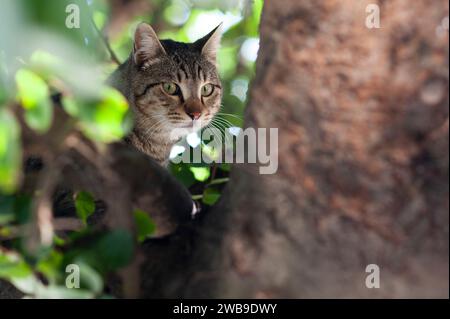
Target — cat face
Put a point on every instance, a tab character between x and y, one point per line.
176	85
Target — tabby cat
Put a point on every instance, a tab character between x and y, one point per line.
173	88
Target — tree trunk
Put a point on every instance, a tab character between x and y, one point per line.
363	164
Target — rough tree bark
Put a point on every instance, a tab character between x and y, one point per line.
363	167
363	164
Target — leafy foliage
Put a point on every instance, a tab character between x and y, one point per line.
84	205
53	60
34	96
10	151
144	224
103	118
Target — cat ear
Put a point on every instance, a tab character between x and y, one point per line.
210	44
147	46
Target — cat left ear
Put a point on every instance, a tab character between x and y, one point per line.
210	44
147	46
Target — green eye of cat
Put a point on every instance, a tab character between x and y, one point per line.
170	88
207	89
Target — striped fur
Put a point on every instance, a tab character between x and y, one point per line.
158	114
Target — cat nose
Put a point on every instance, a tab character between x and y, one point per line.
194	115
193	108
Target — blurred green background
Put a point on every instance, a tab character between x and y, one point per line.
43	55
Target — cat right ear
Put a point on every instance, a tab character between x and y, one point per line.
210	43
147	46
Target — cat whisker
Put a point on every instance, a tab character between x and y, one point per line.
177	119
228	114
215	136
156	126
222	128
223	122
152	124
228	140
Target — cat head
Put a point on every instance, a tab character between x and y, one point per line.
175	85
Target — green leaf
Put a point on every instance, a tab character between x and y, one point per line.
200	173
4	96
6	209
84	205
23	208
61	292
71	106
183	174
145	225
211	149
10	151
105	119
34	96
5	231
226	167
219	181
115	249
46	64
210	196
18	273
99	18
58	240
50	265
15	207
89	277
12	266
37	15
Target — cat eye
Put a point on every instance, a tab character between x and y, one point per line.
207	90
170	88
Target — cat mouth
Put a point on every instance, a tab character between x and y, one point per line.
192	124
187	125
